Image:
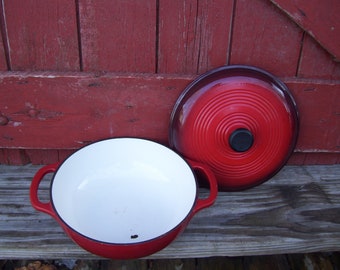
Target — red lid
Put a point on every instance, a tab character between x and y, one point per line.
239	120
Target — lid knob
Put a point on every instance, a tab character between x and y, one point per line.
241	140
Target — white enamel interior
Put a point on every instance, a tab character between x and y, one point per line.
123	190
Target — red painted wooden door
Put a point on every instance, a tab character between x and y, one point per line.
73	72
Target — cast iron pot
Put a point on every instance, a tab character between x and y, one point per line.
239	120
123	198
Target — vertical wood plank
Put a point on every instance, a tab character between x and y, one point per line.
321	19
297	159
42	34
318	107
3	65
3	159
64	153
34	156
13	156
264	37
3	38
193	35
118	35
42	156
315	62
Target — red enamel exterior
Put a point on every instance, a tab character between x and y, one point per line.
116	68
122	251
227	99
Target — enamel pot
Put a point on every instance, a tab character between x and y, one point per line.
123	198
239	120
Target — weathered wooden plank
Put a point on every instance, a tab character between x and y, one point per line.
49	156
322	159
34	156
42	156
118	35
96	108
299	158
322	21
65	153
13	156
3	36
41	108
318	106
315	62
42	35
264	37
296	211
193	35
3	65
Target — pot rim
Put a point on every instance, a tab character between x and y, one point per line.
180	224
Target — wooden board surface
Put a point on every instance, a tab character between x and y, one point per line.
3	39
41	108
319	128
317	63
190	35
180	39
42	35
264	37
320	19
118	35
86	107
297	211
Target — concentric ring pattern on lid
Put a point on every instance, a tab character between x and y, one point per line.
239	120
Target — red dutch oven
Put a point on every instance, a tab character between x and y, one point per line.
123	198
239	120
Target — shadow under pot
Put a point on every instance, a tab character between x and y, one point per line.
123	198
239	120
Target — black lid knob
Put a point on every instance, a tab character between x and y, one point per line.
241	140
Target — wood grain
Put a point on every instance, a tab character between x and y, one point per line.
318	127
3	36
264	37
297	211
42	107
86	108
316	62
303	158
42	35
118	35
193	35
13	156
321	21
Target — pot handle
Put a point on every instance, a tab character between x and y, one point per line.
203	203
36	203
